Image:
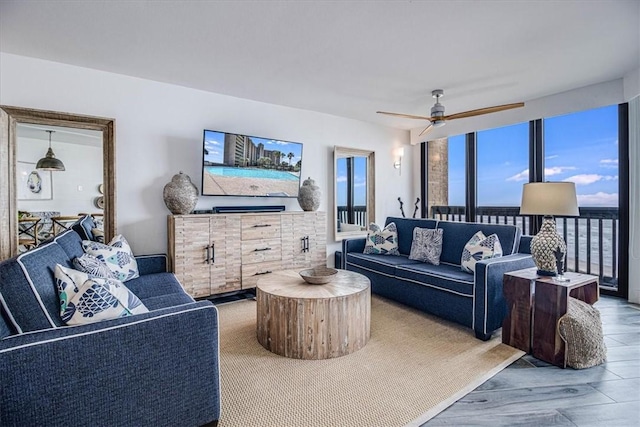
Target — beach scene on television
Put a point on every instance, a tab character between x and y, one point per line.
240	165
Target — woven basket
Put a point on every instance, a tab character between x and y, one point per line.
581	330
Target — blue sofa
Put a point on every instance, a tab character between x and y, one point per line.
473	300
159	368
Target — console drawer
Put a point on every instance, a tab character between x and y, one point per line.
260	227
252	272
261	250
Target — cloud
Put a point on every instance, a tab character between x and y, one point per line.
342	178
586	179
555	156
609	163
557	170
598	199
524	175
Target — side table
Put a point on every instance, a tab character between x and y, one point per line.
518	289
550	304
535	305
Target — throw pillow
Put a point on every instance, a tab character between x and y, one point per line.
93	267
426	245
478	248
85	299
116	255
382	242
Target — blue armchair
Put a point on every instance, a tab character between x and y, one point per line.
159	368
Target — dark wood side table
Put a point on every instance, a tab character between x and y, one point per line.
550	304
518	289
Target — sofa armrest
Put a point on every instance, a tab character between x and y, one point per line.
353	245
149	264
490	307
155	369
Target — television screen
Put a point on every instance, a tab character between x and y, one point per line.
241	165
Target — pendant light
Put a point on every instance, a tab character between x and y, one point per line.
49	161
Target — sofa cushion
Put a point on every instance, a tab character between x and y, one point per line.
426	246
168	300
117	255
445	277
28	289
156	284
405	228
479	247
457	234
70	242
85	299
83	227
378	263
382	241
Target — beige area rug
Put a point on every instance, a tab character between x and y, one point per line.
413	367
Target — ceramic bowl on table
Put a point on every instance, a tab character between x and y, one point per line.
319	275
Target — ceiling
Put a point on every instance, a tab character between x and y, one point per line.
345	58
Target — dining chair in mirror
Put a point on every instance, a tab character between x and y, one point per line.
354	191
11	118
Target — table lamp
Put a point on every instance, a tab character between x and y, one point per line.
548	199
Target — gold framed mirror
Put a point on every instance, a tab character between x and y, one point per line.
10	117
353	191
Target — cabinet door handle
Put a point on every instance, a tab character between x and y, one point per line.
213	253
263	272
261	249
262	225
304	244
307	242
208	257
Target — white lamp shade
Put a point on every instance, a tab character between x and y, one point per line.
549	198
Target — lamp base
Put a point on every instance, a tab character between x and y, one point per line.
545	246
546	273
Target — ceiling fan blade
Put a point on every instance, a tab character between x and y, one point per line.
486	110
407	116
427	129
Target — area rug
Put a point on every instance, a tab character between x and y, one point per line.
414	366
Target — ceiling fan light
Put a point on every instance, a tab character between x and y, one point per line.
438	123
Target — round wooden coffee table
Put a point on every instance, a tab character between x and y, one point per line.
303	321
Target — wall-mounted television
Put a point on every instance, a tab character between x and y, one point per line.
242	165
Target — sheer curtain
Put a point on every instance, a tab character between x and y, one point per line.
634	200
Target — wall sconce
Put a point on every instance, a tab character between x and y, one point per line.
398	163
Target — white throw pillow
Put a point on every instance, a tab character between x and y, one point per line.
93	266
85	299
117	255
478	248
426	245
382	242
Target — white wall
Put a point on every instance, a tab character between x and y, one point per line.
76	187
159	133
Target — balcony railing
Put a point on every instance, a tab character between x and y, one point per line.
592	237
358	215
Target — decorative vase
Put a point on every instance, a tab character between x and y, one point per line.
309	195
543	246
180	195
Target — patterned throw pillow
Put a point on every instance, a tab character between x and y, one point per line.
478	248
93	267
116	255
382	242
85	299
426	245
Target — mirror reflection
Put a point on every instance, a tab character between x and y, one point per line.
59	173
353	191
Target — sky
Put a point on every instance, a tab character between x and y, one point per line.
359	178
580	147
214	144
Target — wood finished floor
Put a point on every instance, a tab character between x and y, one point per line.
533	393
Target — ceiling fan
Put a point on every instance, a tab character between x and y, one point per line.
438	118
